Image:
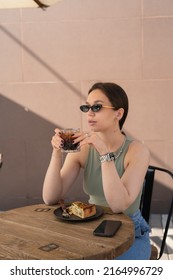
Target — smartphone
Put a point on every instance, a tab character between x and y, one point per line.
107	228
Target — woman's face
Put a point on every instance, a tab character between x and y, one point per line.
105	119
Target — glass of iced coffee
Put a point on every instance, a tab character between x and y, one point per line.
68	135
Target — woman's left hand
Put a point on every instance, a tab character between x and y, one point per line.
91	138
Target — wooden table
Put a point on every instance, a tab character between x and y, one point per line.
34	232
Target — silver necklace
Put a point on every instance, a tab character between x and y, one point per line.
116	155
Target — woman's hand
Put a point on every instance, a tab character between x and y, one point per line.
84	138
93	139
57	141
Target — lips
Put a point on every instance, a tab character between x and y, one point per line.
91	122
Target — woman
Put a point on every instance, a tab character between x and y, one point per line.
114	165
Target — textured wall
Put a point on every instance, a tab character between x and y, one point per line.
48	61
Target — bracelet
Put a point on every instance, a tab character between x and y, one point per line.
107	157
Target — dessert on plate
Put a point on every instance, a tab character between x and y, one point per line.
81	209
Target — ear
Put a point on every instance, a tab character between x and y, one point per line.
119	113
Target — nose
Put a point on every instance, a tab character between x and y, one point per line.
90	112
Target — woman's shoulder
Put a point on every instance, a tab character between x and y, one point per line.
138	149
137	156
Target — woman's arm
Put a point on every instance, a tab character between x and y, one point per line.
121	192
58	178
52	186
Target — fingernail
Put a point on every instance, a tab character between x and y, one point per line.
78	147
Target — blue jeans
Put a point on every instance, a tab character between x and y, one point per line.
141	248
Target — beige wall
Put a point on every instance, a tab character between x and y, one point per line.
48	61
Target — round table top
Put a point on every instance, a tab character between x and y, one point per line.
34	232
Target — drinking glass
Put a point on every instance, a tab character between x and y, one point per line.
68	135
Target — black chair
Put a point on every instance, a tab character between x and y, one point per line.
145	206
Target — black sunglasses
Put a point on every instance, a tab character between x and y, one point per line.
94	108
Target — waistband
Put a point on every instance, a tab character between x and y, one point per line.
141	226
136	215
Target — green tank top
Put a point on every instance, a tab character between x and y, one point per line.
93	178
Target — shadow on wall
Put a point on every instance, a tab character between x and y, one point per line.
25	145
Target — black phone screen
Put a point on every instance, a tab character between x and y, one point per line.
107	228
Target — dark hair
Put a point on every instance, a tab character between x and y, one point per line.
116	96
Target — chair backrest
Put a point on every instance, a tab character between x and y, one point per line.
1	160
146	200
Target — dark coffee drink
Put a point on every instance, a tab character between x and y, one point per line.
68	135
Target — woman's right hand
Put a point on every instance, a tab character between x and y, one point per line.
57	141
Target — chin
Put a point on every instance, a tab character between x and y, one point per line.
93	129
